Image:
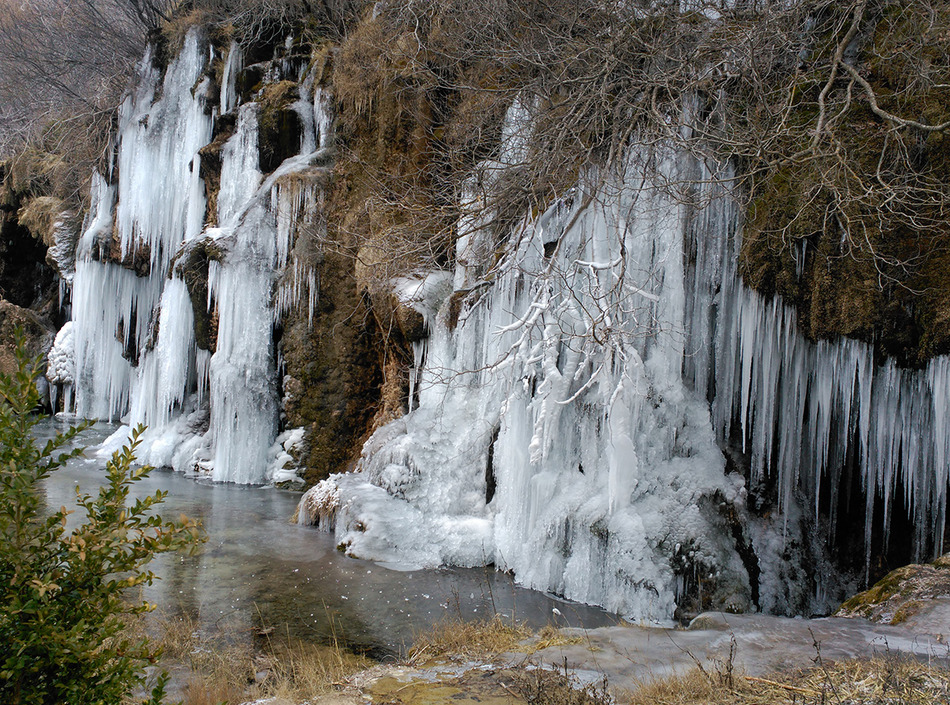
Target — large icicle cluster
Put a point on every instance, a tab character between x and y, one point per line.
554	435
157	204
134	331
810	412
563	429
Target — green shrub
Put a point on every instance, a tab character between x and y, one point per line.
64	601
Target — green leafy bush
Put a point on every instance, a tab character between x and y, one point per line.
64	600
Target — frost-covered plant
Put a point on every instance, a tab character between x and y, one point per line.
319	504
64	599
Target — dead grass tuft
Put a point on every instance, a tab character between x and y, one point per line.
552	636
462	639
541	686
879	681
174	30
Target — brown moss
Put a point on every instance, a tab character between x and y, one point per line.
333	365
38	334
174	30
392	392
37	172
933	305
39	215
321	62
394	182
885	281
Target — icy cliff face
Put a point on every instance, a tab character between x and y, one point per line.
563	427
567	410
808	414
555	435
134	330
155	204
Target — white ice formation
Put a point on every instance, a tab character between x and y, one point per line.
569	418
284	457
136	354
569	405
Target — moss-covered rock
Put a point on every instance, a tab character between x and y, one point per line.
854	233
38	334
279	126
210	167
107	247
902	593
192	266
333	378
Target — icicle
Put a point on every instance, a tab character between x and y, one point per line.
164	376
161	194
818	404
232	67
160	204
323	117
240	176
587	440
202	366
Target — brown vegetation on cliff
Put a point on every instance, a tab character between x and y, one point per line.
853	230
834	114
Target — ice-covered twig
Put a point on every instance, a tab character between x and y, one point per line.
584	388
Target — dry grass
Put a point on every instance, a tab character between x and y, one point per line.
552	636
212	671
462	639
880	681
541	686
484	638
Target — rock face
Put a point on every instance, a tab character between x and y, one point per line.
37	334
902	594
331	386
28	229
34	232
863	267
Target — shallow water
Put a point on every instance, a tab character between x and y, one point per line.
257	570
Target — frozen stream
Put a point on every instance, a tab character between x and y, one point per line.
258	570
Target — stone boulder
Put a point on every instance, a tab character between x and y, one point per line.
902	594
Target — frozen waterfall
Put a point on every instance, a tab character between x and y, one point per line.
136	355
157	203
555	436
570	407
564	429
